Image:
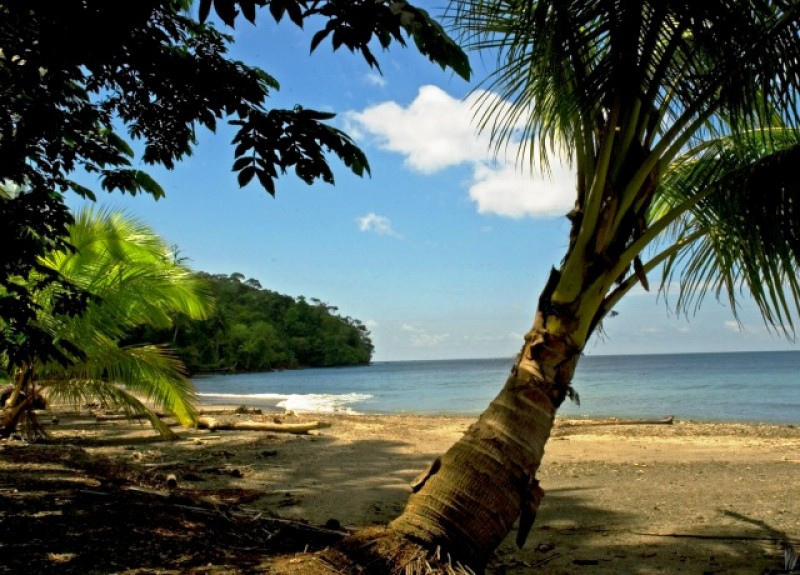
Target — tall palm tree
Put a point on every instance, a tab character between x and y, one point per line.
131	278
681	120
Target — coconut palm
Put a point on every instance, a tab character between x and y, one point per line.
681	119
130	278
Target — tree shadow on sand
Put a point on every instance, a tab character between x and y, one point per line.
574	535
70	508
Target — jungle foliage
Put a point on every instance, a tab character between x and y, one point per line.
82	80
256	329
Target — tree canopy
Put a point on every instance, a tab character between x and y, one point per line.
682	121
256	329
80	80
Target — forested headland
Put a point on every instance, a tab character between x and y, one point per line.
257	329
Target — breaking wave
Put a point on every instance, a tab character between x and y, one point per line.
299	403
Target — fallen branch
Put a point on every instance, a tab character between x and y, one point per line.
708	536
298	428
668	420
147	491
162	464
123	417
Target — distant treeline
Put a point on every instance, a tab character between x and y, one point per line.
256	329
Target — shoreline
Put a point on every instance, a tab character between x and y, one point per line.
266	407
696	387
689	497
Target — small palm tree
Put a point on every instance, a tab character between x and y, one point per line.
130	278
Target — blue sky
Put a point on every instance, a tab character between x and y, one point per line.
442	252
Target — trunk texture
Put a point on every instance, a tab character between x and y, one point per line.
468	500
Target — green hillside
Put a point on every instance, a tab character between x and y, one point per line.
256	329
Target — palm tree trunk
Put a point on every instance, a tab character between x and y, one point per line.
16	403
469	499
20	381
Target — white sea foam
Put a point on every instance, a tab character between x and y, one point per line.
308	403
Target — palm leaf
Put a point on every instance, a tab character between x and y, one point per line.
571	74
150	372
78	391
133	279
749	220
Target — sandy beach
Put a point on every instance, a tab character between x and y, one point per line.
683	498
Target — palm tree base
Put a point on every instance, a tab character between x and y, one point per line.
381	551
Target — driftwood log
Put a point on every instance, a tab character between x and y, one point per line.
668	420
298	428
118	416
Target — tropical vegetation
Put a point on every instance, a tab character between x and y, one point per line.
130	278
81	81
681	119
256	329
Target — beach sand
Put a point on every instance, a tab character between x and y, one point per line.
683	498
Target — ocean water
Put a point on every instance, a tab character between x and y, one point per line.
753	386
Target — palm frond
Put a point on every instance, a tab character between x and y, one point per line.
671	67
150	372
133	279
749	220
79	391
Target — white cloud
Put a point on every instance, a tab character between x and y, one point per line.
428	339
433	132
492	338
371	324
376	224
746	328
651	330
375	79
419	337
733	326
436	131
507	191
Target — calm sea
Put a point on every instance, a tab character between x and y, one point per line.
756	387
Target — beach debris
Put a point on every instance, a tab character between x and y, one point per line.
288	500
333	524
297	428
230	471
245	410
224	453
268	453
666	420
147	491
586	561
108	415
171	482
163	464
545	547
544	561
